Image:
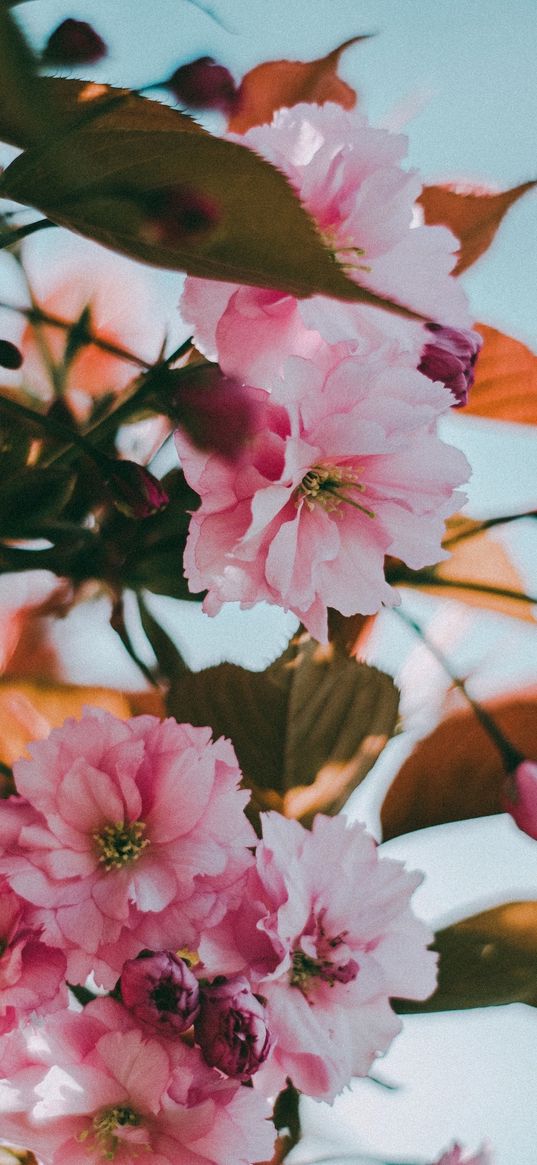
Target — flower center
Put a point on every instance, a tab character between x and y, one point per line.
104	1129
120	843
326	486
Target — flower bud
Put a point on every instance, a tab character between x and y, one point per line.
217	412
450	357
202	84
74	42
520	797
10	357
161	990
135	491
231	1028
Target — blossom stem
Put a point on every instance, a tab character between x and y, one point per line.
36	315
511	757
19	233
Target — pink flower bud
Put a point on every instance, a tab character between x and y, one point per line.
10	357
450	357
136	493
202	84
217	412
74	42
231	1028
520	797
162	991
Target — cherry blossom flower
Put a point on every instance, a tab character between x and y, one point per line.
349	177
345	468
32	974
91	1086
327	944
456	1156
134	821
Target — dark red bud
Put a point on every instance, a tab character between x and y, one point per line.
74	42
216	411
450	357
10	357
162	991
135	492
179	215
202	84
231	1028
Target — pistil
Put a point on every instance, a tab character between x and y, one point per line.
120	843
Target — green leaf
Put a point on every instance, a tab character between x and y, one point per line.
103	185
23	115
486	960
97	107
32	497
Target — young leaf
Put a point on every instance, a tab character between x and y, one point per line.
486	960
505	386
456	772
473	215
274	84
306	731
114	186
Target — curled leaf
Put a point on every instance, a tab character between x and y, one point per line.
505	386
274	84
486	960
473	215
306	731
456	772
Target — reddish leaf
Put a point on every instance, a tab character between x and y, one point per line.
485	960
276	83
473	215
456	772
505	386
306	731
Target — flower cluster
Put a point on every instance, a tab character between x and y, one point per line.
345	464
126	855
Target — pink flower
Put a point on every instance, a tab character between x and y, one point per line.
520	797
346	468
454	1156
32	975
349	177
327	944
138	830
92	1086
231	1028
162	991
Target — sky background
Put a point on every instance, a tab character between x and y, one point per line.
463	72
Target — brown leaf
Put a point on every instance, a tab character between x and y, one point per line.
505	386
479	573
274	84
485	960
456	772
473	215
306	731
29	711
